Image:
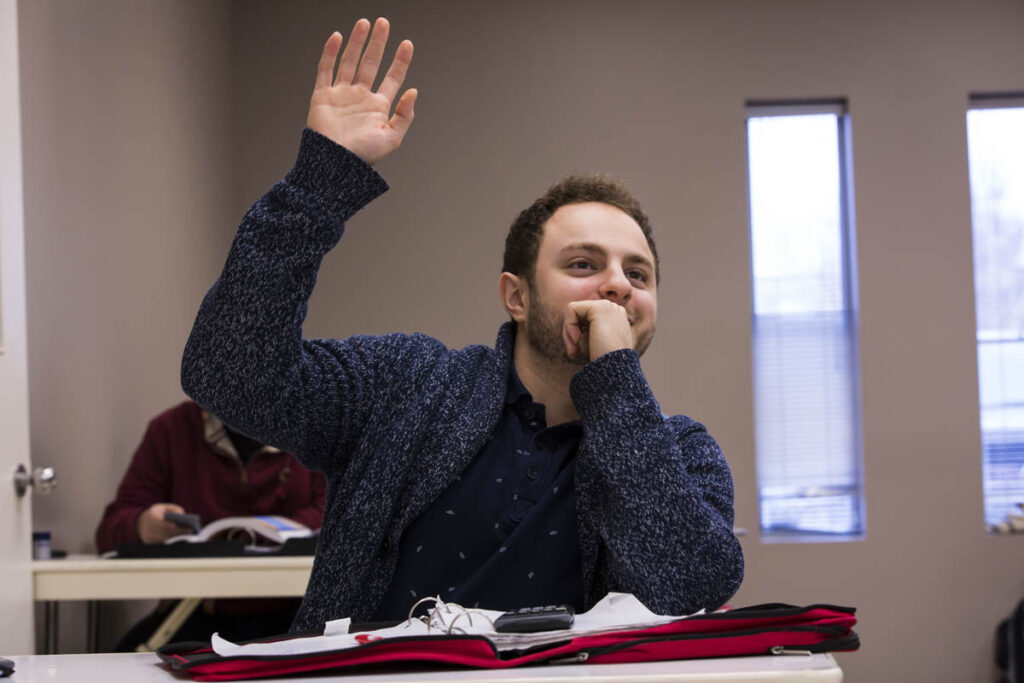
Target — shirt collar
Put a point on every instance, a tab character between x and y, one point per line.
516	390
215	435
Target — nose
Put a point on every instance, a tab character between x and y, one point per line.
616	286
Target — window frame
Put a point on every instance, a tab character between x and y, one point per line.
993	439
850	310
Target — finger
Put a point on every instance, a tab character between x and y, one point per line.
583	348
350	57
374	53
403	116
569	339
573	330
395	76
325	68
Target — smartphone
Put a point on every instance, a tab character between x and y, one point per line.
533	619
189	520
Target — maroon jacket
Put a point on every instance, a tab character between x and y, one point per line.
177	463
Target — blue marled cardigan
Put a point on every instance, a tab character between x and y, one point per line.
392	420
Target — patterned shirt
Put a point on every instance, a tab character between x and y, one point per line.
504	534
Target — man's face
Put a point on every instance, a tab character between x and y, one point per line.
590	251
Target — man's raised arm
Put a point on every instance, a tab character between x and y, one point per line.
246	361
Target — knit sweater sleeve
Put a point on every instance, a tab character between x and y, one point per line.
245	360
656	491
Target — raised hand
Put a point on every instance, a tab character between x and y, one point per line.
344	107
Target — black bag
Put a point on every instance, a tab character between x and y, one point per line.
1010	646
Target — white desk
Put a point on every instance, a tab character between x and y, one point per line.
86	577
145	668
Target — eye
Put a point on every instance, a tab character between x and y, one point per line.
581	265
638	275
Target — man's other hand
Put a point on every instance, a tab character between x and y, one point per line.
595	327
153	528
344	107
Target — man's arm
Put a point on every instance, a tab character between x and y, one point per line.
136	513
657	492
312	515
245	360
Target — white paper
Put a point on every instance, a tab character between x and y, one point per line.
615	612
337	627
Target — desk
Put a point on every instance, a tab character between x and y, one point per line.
144	668
86	577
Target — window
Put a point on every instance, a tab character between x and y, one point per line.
995	140
806	376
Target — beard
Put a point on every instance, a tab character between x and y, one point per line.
544	334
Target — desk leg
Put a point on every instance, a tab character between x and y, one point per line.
92	626
51	626
182	611
44	648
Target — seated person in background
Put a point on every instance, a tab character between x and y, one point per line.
189	461
536	472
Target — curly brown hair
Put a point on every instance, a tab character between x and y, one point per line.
523	240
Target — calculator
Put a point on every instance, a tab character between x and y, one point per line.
533	619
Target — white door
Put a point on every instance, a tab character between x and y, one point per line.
16	612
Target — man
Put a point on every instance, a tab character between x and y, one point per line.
188	461
539	471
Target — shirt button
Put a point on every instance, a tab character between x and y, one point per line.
529	412
531	472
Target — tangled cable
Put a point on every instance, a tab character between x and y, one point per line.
435	618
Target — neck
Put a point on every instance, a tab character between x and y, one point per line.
546	380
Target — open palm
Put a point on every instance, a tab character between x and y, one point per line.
344	106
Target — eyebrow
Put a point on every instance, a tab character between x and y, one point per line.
596	249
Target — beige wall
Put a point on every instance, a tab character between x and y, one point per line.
126	168
151	128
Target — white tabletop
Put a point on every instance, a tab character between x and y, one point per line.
145	668
86	577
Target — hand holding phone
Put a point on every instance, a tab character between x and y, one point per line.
189	520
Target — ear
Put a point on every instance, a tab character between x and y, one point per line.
514	295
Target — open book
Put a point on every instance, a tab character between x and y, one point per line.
261	531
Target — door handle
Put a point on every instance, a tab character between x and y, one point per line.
44	479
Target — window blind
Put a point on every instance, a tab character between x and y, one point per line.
806	377
995	136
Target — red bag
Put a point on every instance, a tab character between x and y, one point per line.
762	629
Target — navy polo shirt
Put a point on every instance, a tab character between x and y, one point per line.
503	535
